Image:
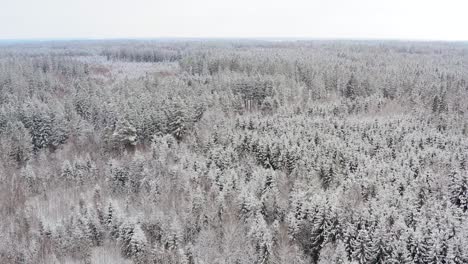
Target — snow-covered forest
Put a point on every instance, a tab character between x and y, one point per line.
234	152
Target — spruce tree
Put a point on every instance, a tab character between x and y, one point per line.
363	248
351	88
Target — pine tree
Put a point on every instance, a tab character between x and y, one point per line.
19	146
326	177
351	87
124	135
290	160
421	249
177	117
81	240
95	231
436	105
465	129
443	106
262	237
275	159
198	112
67	171
382	247
317	234
173	237
97	198
399	253
457	252
41	131
263	155
110	215
248	204
363	248
459	190
138	244
334	254
112	222
30	177
126	231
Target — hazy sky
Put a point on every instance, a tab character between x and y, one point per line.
402	19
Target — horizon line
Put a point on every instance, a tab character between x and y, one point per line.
211	38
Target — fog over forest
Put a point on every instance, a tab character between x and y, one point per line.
233	152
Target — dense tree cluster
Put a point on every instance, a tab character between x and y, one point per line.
234	152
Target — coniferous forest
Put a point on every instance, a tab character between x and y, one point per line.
234	151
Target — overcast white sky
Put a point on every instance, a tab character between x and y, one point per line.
396	19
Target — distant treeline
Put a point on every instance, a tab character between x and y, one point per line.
142	54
